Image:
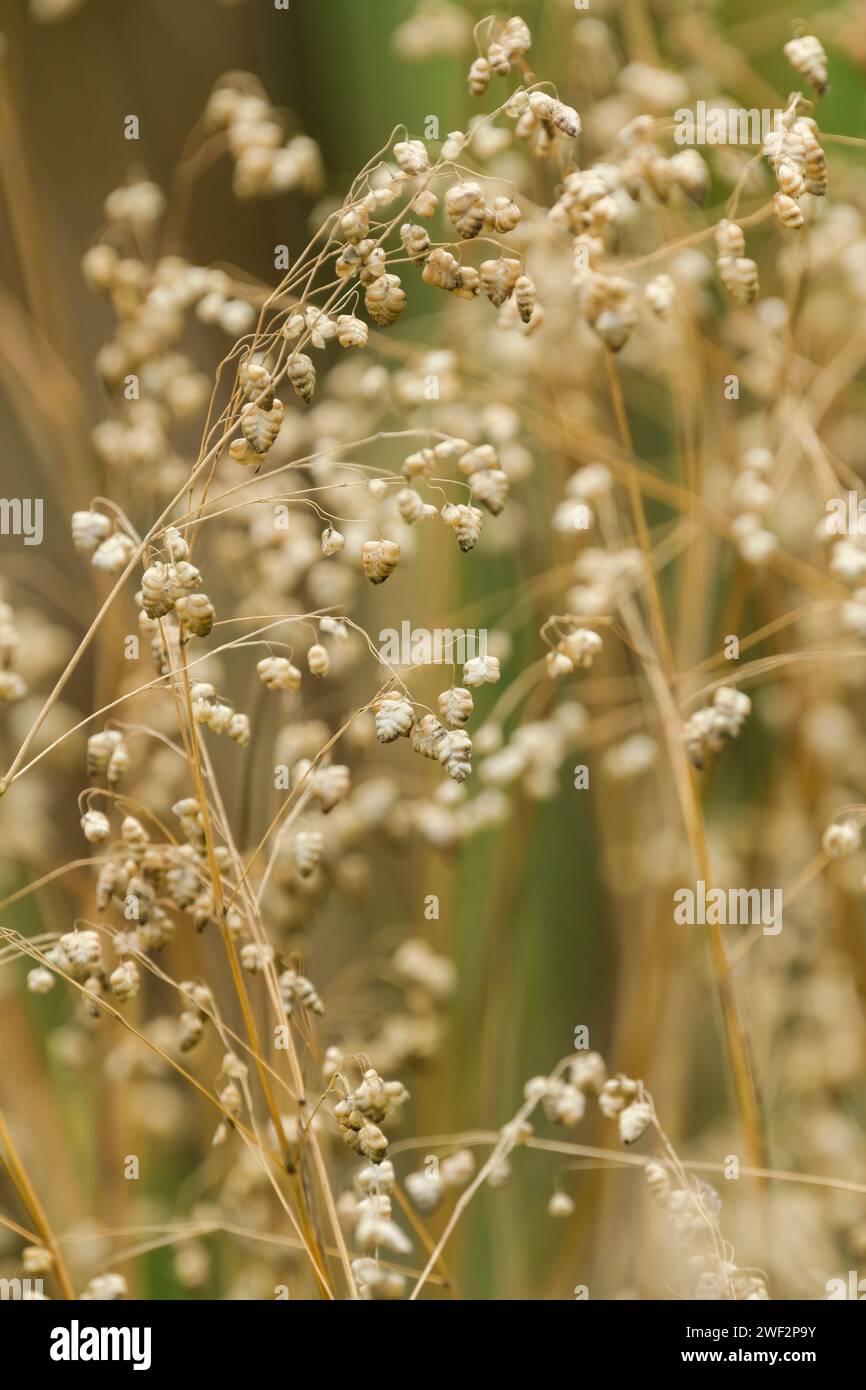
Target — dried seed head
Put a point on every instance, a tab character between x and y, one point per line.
441	269
490	486
789	213
379	559
481	670
239	730
479	77
261	427
505	214
96	826
525	296
394	716
464	521
416	241
456	705
806	55
278	673
634	1120
385	300
351	332
465	208
88	529
331	785
332	541
841	839
302	375
411	155
307	851
318	660
196	614
125	981
498	278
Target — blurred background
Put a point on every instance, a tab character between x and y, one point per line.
548	932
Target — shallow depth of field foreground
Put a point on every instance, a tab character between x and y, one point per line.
432	650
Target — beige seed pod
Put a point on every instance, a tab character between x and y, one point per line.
473	460
555	113
239	730
318	660
244	453
394	716
255	383
634	1120
815	168
332	541
157	590
385	300
411	155
88	530
307	851
661	296
740	278
219	717
441	269
498	59
658	1180
581	646
806	56
351	332
479	77
96	827
468	283
525	296
379	559
490	487
506	214
790	179
425	203
331	785
410	505
416	241
190	1030
99	750
464	521
261	427
196	613
184	577
113	554
481	670
690	173
373	262
787	211
560	1205
420	464
498	278
516	39
456	705
355	222
302	375
730	238
118	765
125	981
610	309
427	736
278	673
465	208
